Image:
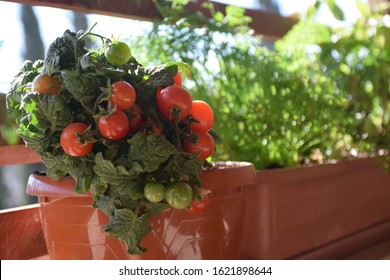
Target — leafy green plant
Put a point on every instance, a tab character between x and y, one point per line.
65	111
273	108
322	93
358	59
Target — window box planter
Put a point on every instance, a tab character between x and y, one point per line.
303	212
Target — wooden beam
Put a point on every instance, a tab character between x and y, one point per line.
18	154
268	24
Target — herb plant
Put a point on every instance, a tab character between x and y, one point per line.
95	115
319	93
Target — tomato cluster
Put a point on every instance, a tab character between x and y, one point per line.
175	104
123	116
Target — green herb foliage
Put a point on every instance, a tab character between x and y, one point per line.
320	93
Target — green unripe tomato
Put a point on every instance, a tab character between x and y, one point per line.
179	195
154	192
118	53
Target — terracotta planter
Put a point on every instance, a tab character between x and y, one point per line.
298	212
73	228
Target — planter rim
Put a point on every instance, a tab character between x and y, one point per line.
226	174
281	175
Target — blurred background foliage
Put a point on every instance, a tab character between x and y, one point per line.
320	93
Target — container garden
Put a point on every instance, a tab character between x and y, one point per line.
73	228
326	211
133	144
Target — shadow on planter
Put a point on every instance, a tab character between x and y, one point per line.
318	212
73	228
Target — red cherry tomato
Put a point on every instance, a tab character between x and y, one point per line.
135	118
198	206
204	145
174	103
178	80
114	127
203	116
71	141
123	95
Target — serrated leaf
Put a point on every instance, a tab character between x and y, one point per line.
49	111
186	167
18	86
159	76
150	150
125	180
85	87
125	225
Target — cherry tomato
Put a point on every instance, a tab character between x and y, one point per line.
198	206
114	127
135	118
179	195
203	116
44	83
174	103
122	95
158	91
178	80
151	126
71	141
154	192
203	146
118	53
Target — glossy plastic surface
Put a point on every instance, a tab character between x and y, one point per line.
73	228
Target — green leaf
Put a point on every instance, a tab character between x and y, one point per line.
186	167
85	87
150	150
125	180
335	9
159	76
184	68
63	51
19	86
59	165
304	33
49	111
127	226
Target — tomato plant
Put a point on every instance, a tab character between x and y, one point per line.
154	192
123	95
174	103
198	206
203	145
179	195
72	141
115	126
118	53
43	83
203	116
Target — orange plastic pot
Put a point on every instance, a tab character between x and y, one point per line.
73	228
